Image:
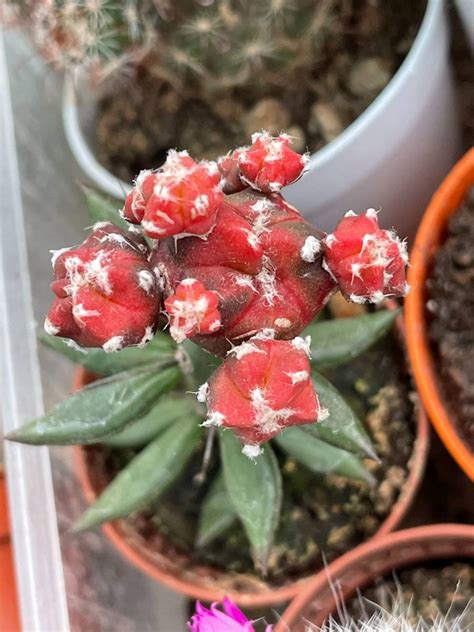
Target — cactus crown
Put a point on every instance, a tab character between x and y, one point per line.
241	275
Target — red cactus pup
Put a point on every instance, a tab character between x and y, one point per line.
181	198
367	262
107	294
264	262
192	310
263	386
268	165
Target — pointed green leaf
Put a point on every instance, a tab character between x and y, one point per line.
337	341
217	513
147	475
254	487
161	347
100	409
169	409
102	208
320	457
342	427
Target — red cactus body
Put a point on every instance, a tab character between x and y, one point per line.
229	168
181	198
192	310
263	261
270	164
107	294
366	261
263	386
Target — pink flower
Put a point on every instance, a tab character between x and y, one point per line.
214	620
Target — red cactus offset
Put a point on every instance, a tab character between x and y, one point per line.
106	293
270	164
367	262
181	198
192	310
263	386
264	262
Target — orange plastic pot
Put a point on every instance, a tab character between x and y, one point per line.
429	237
9	611
361	566
211	584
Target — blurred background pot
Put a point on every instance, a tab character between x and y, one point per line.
211	584
362	566
392	156
429	238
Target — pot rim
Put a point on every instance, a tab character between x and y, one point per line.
117	188
429	237
272	596
377	557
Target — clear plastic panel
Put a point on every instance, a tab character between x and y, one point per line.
66	581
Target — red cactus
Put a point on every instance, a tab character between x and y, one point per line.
263	261
270	164
107	294
229	168
192	310
181	198
262	387
366	261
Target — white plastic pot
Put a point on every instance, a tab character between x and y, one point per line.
392	157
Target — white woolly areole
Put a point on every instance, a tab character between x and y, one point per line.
267	280
55	254
243	280
113	344
310	249
244	349
282	323
93	272
371	213
266	418
302	344
147	336
252	450
203	392
265	334
214	418
99	225
358	299
298	376
329	240
49	328
146	280
350	214
79	312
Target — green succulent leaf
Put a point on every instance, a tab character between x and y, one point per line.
340	340
204	363
169	409
320	457
102	208
147	476
217	513
101	408
255	489
342	427
160	348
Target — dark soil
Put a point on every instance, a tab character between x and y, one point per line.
451	305
427	592
142	117
321	514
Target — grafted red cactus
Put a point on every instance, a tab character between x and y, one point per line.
107	294
192	310
268	165
263	386
263	261
181	198
366	261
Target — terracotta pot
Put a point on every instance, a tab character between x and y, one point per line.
9	611
429	237
375	558
211	584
